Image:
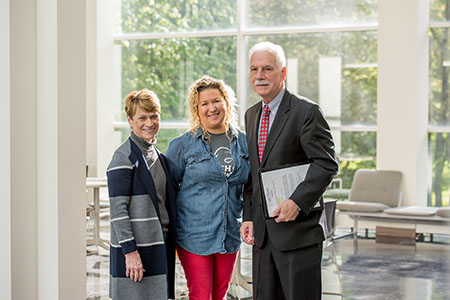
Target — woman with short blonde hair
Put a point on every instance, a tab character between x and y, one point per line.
142	208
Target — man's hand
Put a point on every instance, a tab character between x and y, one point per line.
247	232
134	269
286	211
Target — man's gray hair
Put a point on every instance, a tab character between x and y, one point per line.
271	48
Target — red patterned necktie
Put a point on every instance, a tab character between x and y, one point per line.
263	131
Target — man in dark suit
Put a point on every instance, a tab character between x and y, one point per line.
287	249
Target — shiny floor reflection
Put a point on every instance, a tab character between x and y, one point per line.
369	271
374	271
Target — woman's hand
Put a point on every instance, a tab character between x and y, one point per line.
134	268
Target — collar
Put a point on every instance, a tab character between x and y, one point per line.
143	144
234	132
275	103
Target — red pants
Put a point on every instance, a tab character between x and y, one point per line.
208	276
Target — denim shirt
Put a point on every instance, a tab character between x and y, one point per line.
209	205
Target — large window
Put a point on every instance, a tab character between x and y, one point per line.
439	104
153	16
292	13
331	49
169	66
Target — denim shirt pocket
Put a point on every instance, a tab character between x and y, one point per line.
198	167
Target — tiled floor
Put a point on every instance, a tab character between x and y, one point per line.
369	271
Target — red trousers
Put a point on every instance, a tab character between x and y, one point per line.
208	276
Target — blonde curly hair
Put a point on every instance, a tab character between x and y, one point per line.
205	83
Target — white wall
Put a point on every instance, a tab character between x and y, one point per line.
5	155
403	94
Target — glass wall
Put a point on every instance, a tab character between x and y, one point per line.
439	103
276	14
142	16
439	10
331	50
169	66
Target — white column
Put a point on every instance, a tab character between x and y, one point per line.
241	63
23	150
109	86
71	149
403	94
48	149
292	74
91	86
330	93
5	155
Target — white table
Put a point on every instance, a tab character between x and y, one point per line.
95	184
422	219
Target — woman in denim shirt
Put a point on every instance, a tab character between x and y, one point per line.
210	165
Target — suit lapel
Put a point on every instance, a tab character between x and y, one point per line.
254	116
277	125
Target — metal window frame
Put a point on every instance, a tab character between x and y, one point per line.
241	32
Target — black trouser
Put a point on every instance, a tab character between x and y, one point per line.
287	275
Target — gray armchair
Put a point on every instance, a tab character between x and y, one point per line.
373	191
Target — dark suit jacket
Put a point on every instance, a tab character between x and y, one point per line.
299	134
